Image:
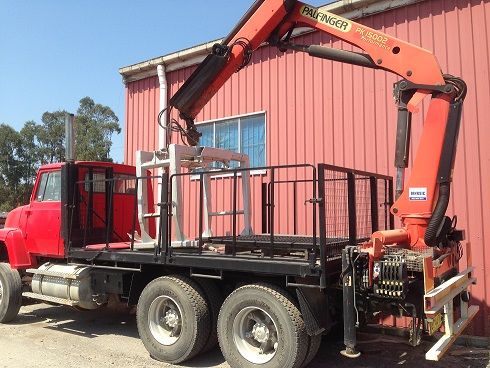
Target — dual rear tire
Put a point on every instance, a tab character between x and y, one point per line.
259	325
173	319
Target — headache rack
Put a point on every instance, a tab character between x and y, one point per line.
302	218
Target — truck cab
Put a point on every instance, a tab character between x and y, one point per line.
65	194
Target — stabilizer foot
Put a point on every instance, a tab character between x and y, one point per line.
350	353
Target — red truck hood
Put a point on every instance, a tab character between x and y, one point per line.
14	216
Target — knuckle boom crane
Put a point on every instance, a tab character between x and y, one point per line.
416	265
267	297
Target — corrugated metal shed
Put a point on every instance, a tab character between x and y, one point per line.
321	111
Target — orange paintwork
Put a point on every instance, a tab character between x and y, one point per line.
426	164
389	53
256	30
391	236
408	61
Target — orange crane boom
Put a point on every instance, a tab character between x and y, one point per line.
273	21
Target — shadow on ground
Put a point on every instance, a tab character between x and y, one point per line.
378	351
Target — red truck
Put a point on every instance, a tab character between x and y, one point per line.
95	230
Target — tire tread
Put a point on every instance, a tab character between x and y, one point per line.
14	290
292	309
196	295
215	300
199	305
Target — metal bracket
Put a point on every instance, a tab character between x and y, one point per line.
442	297
206	275
314	200
405	85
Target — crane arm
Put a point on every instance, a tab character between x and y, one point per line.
421	204
271	21
422	207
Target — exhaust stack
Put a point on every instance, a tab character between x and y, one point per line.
69	138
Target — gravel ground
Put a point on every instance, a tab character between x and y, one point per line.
50	336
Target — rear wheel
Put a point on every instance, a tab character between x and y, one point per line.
10	293
173	319
214	297
260	325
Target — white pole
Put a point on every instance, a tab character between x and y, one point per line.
162	128
163	132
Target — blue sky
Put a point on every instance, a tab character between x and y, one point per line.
54	52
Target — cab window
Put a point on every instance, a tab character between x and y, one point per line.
123	183
49	188
98	182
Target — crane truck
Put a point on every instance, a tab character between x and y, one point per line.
95	230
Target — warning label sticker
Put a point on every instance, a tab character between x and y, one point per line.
417	194
329	19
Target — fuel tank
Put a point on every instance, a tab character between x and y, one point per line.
70	282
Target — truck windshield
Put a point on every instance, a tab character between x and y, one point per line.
49	188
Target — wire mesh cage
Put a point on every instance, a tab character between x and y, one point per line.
356	204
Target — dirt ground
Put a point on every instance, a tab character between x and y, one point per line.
60	337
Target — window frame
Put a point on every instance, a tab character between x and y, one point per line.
116	176
42	187
239	136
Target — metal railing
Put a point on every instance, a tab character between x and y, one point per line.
82	211
233	177
347	206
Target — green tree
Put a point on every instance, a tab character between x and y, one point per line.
95	124
50	137
21	153
29	153
14	190
10	165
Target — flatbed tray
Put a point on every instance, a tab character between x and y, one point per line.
280	240
279	244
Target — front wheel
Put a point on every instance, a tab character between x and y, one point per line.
173	319
259	325
10	293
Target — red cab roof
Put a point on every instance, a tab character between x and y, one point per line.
117	167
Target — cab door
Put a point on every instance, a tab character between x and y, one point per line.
44	216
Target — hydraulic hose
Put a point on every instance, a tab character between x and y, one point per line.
447	161
438	215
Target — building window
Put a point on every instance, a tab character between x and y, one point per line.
244	134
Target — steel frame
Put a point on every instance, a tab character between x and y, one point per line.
320	264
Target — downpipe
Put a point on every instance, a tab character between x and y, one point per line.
163	132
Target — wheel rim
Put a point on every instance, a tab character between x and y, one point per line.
255	335
1	292
165	320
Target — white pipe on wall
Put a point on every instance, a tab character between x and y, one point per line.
163	132
163	138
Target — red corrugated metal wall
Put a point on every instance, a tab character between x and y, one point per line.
320	111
